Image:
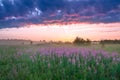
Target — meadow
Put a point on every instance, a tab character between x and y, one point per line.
60	62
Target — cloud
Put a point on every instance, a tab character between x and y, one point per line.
45	5
15	13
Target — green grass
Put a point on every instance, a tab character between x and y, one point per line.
112	48
15	66
106	47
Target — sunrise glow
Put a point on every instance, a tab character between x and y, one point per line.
63	32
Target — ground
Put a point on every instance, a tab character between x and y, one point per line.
59	62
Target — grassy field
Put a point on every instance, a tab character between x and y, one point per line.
60	62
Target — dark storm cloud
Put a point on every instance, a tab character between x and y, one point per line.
50	4
15	13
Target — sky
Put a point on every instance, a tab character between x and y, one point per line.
59	19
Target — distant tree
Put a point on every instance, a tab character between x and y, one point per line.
76	41
88	41
31	42
79	41
44	40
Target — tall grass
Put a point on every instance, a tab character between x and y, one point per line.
61	63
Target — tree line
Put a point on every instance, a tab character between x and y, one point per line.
79	40
110	41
